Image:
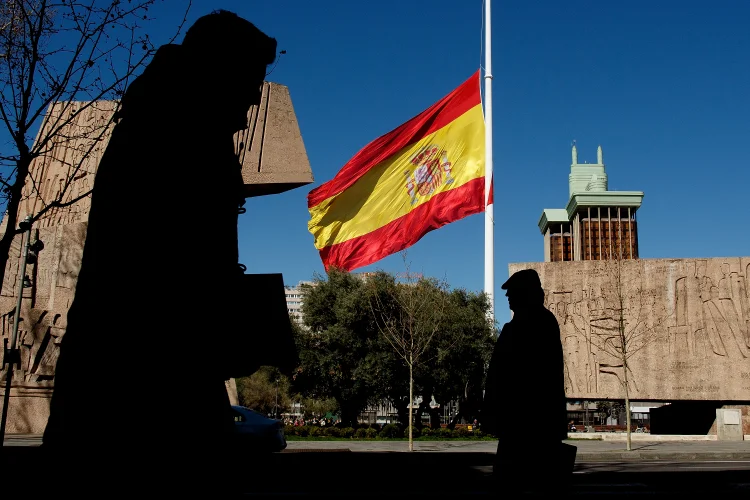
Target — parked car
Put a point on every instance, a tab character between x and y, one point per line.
257	433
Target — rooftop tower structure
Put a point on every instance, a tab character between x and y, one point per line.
596	224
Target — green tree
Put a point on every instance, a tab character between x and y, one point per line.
339	346
345	357
393	373
459	356
309	406
455	341
265	391
318	407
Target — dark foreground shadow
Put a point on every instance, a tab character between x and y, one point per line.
345	474
140	404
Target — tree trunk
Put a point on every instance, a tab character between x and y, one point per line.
434	414
434	418
421	409
627	405
411	400
624	352
349	413
401	411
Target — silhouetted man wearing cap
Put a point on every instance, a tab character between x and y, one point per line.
524	402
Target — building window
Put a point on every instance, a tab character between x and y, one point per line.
561	243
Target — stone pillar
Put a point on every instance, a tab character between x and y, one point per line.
231	386
729	424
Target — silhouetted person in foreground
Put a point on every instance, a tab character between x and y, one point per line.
139	404
527	365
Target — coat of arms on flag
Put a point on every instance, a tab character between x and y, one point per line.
424	174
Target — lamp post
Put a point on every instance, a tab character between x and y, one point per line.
12	356
276	403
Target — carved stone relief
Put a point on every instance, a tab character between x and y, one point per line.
42	325
685	324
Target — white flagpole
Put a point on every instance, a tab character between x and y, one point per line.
489	229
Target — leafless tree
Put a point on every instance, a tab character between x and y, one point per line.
409	315
61	60
626	323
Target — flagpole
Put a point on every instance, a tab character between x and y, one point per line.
489	229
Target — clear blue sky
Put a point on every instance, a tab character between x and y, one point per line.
663	86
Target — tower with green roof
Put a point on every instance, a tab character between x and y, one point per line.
596	224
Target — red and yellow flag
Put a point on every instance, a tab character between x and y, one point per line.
425	174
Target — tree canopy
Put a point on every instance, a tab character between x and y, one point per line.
345	356
339	347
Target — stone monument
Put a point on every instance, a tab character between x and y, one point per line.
273	160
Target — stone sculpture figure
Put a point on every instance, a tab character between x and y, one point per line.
140	403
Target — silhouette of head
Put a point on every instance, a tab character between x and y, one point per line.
222	29
524	290
230	53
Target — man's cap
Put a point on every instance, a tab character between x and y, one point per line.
526	279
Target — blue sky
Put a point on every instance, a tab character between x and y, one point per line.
663	87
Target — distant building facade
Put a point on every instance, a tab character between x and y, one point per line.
294	299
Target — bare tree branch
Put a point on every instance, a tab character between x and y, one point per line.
60	61
622	328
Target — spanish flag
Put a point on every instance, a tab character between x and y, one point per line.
425	174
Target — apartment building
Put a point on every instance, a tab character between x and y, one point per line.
294	300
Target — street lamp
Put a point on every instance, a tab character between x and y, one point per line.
12	355
276	404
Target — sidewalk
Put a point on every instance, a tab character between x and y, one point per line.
682	449
644	447
588	449
453	469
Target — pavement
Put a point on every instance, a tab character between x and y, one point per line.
606	447
452	469
588	449
462	468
